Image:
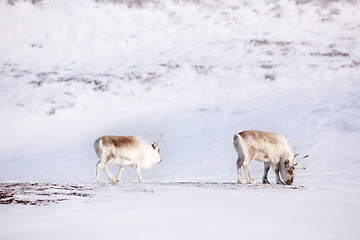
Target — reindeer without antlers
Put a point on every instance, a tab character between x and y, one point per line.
126	151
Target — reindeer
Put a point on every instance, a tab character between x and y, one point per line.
271	148
125	151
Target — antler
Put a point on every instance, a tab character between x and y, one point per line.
149	137
297	164
158	143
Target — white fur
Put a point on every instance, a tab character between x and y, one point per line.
271	148
138	155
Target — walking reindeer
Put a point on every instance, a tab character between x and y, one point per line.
125	151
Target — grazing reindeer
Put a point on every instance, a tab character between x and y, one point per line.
125	151
271	148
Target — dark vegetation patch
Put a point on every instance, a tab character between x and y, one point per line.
40	194
267	65
333	53
352	64
130	3
170	65
12	2
200	69
270	77
47	78
262	42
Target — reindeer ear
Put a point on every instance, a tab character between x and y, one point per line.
287	161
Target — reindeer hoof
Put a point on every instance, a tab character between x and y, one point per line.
265	181
280	183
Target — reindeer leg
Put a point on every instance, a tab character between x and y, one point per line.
278	179
266	170
239	164
102	164
138	171
98	173
247	172
111	177
121	170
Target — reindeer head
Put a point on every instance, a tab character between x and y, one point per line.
289	172
155	146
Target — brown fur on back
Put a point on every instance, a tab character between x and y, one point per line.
118	141
260	136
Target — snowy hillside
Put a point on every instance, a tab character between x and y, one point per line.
71	71
75	70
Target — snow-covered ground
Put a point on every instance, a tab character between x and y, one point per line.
71	71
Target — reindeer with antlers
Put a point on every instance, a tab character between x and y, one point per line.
271	148
125	151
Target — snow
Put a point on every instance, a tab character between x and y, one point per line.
199	71
194	212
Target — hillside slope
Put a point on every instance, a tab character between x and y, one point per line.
199	71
